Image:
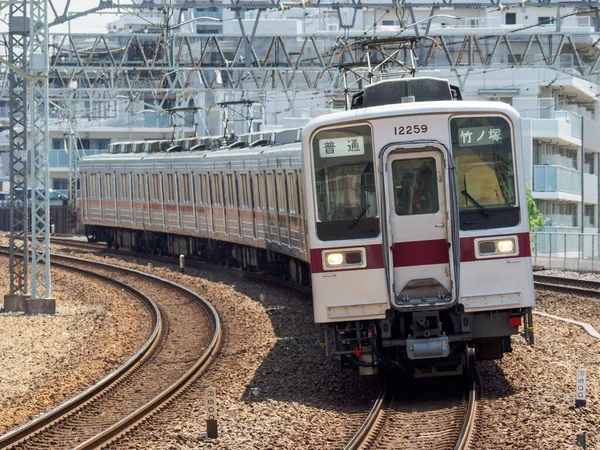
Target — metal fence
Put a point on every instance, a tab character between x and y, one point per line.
568	251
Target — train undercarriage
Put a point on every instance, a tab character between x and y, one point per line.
425	343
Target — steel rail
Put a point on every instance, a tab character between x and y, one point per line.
82	398
131	420
363	433
361	438
174	389
190	262
466	433
569	285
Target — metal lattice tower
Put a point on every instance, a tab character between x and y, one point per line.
39	150
72	147
18	241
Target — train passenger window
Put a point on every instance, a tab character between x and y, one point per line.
200	188
281	193
186	188
94	185
345	184
155	187
123	186
292	197
230	191
415	186
256	192
216	190
170	188
483	153
244	197
270	192
108	186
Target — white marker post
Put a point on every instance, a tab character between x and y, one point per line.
211	413
580	388
182	263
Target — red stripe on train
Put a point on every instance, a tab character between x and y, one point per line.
422	253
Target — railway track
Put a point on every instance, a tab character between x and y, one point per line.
568	285
433	420
186	338
190	262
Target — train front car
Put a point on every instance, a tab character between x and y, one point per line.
417	228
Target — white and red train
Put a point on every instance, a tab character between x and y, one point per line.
407	215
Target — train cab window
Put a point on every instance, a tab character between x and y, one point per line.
483	153
345	184
415	186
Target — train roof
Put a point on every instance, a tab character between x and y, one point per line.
437	107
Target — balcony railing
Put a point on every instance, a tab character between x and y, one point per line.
556	179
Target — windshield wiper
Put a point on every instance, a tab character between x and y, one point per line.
360	216
482	209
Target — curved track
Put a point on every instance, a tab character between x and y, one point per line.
189	337
440	422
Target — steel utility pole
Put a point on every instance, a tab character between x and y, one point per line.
73	156
18	34
41	301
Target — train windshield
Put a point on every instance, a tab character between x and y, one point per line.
483	153
345	184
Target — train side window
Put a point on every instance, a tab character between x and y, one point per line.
230	193
93	185
170	188
186	191
200	190
292	198
123	186
256	191
244	197
415	186
155	187
281	193
271	202
108	188
216	190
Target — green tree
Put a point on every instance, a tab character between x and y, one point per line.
536	220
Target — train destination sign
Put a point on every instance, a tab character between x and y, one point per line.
346	146
471	136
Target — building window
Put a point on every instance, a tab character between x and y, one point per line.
60	184
590	215
511	19
589	163
545	20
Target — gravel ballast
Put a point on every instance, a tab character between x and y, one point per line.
46	360
276	390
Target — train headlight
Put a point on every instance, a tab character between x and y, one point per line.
506	246
496	247
335	259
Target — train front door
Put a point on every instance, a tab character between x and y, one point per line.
420	254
